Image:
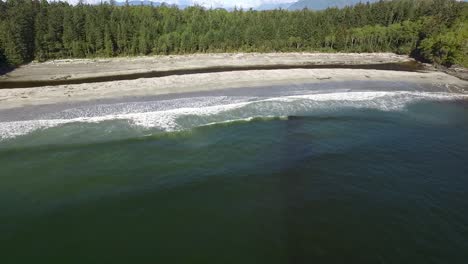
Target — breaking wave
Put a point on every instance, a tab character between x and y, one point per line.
187	113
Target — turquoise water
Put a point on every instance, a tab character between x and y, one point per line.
345	177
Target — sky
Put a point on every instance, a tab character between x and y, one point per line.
209	3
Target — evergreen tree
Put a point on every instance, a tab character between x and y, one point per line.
18	31
431	30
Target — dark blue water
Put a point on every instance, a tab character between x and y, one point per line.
354	179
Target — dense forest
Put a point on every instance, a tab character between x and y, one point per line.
430	30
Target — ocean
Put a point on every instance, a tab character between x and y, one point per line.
360	172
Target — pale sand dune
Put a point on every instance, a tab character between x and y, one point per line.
71	69
12	98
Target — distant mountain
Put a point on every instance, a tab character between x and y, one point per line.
185	4
273	6
138	2
323	4
147	3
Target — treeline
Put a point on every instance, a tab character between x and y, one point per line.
431	30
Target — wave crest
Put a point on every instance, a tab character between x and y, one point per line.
180	114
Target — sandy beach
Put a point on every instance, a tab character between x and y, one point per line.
11	98
71	69
173	84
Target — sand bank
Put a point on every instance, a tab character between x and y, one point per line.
63	71
12	98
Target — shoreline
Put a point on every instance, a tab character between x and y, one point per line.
205	82
112	79
32	112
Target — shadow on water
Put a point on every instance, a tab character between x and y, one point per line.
406	66
291	183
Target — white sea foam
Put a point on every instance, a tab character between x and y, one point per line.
169	115
165	119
